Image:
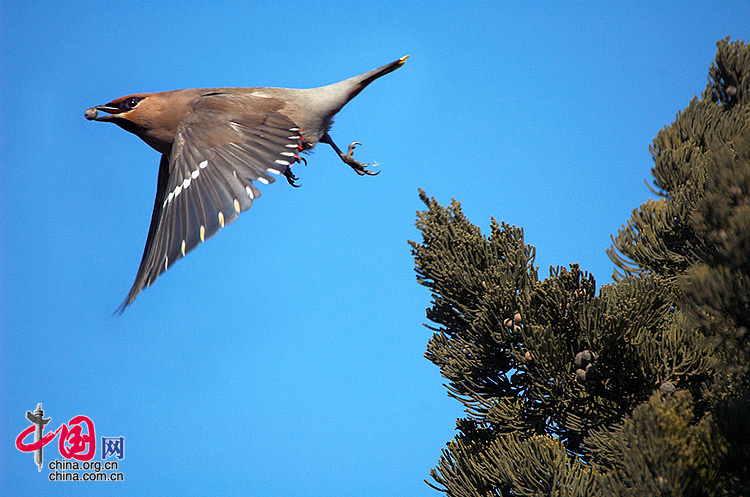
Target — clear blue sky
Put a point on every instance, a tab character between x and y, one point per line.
284	356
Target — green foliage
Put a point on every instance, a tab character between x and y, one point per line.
513	465
641	389
658	450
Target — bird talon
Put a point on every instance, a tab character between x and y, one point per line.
291	178
358	167
351	148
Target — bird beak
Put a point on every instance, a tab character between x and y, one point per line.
92	114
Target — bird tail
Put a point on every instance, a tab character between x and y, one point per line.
334	97
365	79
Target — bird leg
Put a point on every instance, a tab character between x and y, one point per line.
358	167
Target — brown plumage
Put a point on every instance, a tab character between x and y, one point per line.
215	143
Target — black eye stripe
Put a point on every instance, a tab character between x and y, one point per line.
129	103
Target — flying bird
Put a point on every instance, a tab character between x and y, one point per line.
215	144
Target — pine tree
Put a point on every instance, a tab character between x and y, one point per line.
640	389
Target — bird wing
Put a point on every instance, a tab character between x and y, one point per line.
226	144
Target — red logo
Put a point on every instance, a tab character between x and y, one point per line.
77	437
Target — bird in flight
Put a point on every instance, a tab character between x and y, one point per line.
215	144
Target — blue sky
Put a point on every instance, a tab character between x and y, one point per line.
284	356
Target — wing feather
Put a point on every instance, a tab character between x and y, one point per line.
220	150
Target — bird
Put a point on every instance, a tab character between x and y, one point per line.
216	144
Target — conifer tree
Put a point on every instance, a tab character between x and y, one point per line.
641	388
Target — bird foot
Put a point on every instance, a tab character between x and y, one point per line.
358	167
289	175
291	178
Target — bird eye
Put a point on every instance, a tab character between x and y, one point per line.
130	103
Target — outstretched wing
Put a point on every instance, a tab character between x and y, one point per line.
226	144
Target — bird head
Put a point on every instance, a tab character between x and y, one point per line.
153	117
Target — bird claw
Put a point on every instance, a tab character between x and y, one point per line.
351	148
289	175
358	167
291	178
